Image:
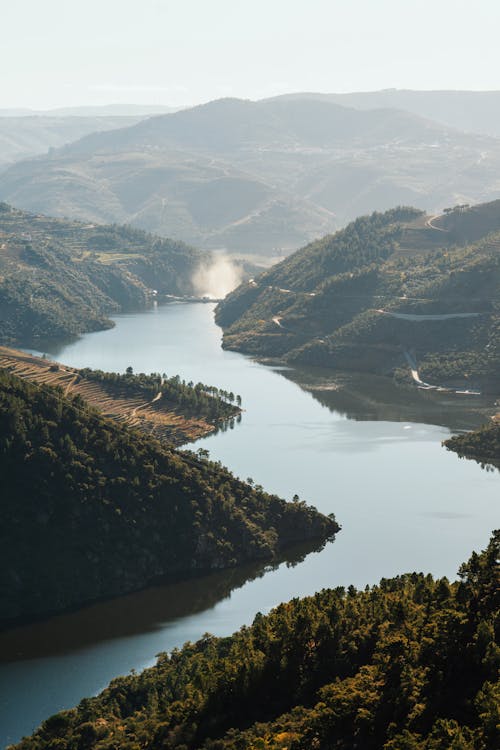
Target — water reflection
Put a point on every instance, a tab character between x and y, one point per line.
367	451
142	612
375	398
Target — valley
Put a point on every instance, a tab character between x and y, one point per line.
293	440
261	177
147	441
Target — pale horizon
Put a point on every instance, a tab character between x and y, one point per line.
167	53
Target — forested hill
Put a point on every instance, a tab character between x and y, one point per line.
483	445
60	278
387	285
91	509
410	664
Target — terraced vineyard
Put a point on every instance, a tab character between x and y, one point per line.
160	417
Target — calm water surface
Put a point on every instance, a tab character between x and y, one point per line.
367	452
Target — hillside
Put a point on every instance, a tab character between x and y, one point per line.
391	290
411	663
26	136
474	111
482	445
257	177
168	409
91	509
60	278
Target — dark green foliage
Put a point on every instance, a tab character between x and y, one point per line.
91	509
338	301
410	664
60	278
196	399
482	445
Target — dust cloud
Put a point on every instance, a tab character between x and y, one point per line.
217	278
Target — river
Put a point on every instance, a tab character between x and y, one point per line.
367	451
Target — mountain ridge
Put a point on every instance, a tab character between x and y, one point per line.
257	177
387	285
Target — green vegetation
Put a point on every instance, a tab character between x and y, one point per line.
195	399
61	278
358	299
483	444
410	664
92	509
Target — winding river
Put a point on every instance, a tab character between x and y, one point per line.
355	446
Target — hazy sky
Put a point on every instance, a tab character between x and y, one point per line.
68	52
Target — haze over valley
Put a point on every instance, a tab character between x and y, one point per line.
249	375
258	177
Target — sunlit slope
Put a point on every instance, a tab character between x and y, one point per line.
410	664
259	177
157	404
388	285
59	278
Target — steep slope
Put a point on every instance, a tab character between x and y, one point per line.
373	294
91	509
170	410
410	664
262	176
60	278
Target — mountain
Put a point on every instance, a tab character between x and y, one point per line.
117	109
234	125
92	509
473	111
257	177
410	664
24	136
392	290
60	278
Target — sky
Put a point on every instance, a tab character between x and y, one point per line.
172	52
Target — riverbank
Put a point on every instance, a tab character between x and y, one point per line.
357	451
124	401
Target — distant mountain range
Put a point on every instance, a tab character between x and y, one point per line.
92	110
24	136
258	177
27	132
251	176
474	111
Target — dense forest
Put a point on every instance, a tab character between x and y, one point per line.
385	285
410	664
483	444
59	278
92	509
